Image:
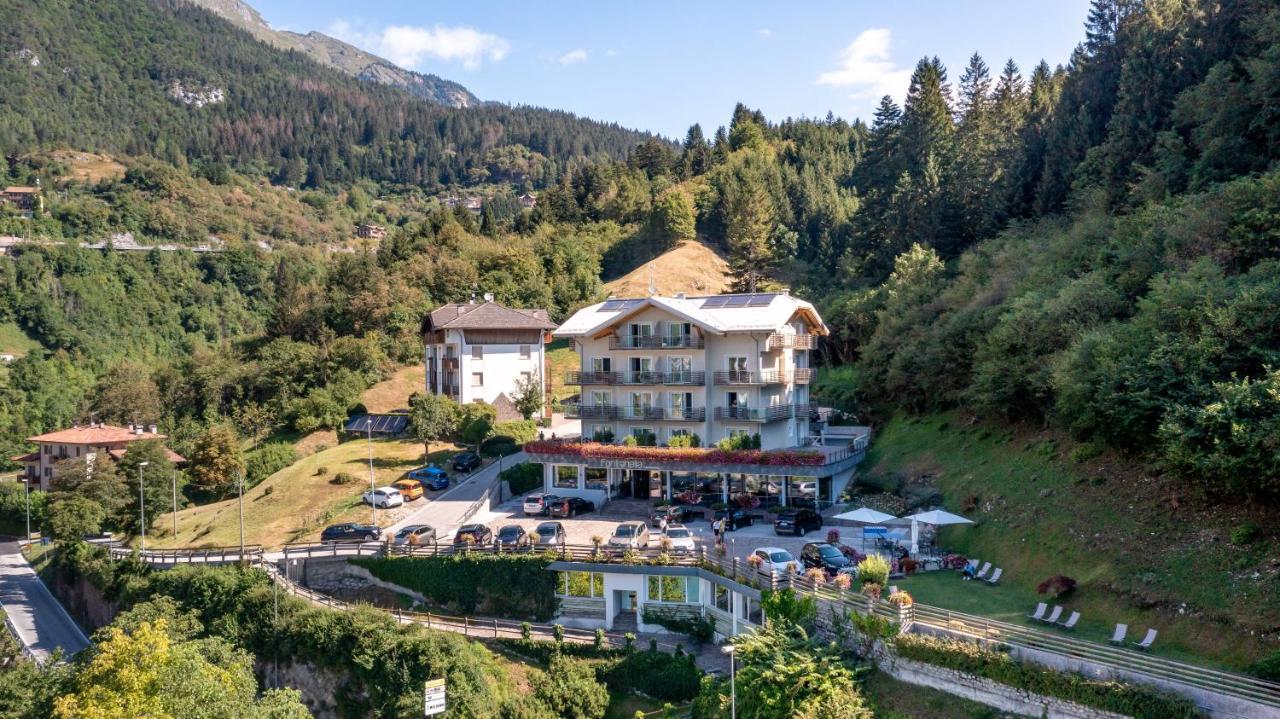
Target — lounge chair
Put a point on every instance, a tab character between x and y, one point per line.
1147	641
1118	636
986	567
1071	621
893	590
1041	608
1053	616
994	579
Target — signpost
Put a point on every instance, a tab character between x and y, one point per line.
433	697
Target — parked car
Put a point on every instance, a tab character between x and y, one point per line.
776	560
827	557
549	533
570	507
536	504
414	534
351	532
383	497
479	534
466	462
630	535
797	521
434	478
410	489
680	537
737	517
675	514
512	536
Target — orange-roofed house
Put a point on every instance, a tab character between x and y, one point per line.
83	441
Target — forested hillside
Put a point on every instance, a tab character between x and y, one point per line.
168	79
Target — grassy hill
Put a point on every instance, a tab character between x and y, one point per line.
392	394
1142	553
691	267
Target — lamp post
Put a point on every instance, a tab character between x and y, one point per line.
729	650
142	507
240	485
175	502
27	483
373	499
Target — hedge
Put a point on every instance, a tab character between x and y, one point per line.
673	678
1132	700
524	477
495	585
267	460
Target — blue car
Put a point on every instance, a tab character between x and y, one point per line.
432	478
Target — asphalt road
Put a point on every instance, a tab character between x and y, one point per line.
445	512
42	623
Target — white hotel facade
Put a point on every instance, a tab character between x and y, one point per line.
714	366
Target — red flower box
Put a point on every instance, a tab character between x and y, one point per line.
701	455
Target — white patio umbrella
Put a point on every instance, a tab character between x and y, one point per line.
865	516
936	517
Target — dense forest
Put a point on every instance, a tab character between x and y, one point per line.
1091	247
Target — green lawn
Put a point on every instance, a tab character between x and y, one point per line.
625	706
14	341
561	359
1140	555
893	699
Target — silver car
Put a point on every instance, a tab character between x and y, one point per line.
630	535
415	534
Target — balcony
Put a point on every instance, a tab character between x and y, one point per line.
593	378
792	341
754	414
744	377
449	362
641	377
642	412
803	375
687	414
655	342
592	411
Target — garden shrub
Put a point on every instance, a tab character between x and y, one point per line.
267	460
344	478
873	570
1128	699
1268	667
656	674
1057	586
700	628
524	477
518	431
570	687
1244	534
497	585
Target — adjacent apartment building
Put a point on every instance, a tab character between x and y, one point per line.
718	367
477	352
83	441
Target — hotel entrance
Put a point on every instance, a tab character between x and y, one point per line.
635	483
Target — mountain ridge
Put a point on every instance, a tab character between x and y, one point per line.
340	55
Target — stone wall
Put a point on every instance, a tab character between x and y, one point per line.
337	576
990	693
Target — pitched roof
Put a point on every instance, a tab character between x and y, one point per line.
30	457
98	434
172	455
486	316
717	314
21	190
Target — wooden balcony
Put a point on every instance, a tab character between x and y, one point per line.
803	375
655	342
780	341
754	414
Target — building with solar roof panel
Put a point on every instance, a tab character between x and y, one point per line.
478	351
659	368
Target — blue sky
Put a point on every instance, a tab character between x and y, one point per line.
662	66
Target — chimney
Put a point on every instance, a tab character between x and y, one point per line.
460	310
137	430
488	297
151	428
679	295
785	291
131	426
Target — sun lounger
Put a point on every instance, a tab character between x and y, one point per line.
1041	608
892	590
1118	636
986	567
995	576
1053	616
1071	621
1147	641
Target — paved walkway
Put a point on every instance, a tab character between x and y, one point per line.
41	622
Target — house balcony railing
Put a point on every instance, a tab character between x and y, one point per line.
592	411
655	342
778	341
449	362
593	378
696	379
745	377
687	414
642	412
641	377
803	375
754	414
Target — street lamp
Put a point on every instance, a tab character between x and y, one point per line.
27	483
175	503
373	499
728	650
142	507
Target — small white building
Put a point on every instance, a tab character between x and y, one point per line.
478	352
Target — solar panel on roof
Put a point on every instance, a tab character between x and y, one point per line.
612	305
713	302
381	423
760	301
737	301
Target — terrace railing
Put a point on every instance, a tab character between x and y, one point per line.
687	414
779	341
593	378
592	411
646	377
655	342
754	414
696	379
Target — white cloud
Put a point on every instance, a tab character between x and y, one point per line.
764	32
865	66
573	56
611	53
409	46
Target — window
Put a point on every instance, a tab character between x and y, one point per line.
525	352
641	402
681	369
749	610
526	377
600	398
668	589
566	477
597	478
681	404
48	448
601	364
477	379
737	364
735	432
582	584
722	598
48	472
477	352
678	433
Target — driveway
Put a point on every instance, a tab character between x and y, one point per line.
41	622
444	512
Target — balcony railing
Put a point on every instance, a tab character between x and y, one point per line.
803	375
769	376
754	414
645	377
696	379
592	411
792	341
449	362
655	342
593	378
687	414
644	412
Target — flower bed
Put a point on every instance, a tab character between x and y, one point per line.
709	455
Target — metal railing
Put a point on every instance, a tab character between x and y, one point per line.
641	377
735	376
592	411
250	553
802	375
593	378
696	379
17	636
655	342
754	414
779	341
642	412
688	414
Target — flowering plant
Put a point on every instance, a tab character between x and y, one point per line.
843	582
901	599
817	574
955	561
755	561
703	455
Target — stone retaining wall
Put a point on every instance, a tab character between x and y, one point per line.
337	576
